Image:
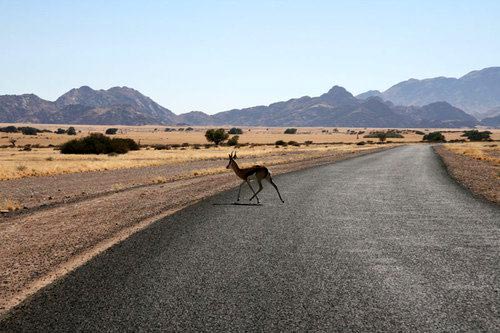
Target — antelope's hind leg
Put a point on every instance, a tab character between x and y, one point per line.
270	180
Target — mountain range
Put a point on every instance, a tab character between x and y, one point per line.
414	103
115	106
477	93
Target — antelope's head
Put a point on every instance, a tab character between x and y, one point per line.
232	158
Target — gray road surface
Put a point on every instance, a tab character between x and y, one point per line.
384	242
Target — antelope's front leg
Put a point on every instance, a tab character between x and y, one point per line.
239	190
254	194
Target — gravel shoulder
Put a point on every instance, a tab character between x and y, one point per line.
47	241
480	177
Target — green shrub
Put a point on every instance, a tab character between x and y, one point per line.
28	130
434	137
216	135
475	135
111	131
233	141
9	129
294	143
385	135
235	130
60	131
98	143
361	143
71	131
281	143
291	131
162	147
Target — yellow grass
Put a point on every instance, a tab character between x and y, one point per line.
149	135
7	204
484	151
47	161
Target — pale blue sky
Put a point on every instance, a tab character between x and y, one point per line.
217	55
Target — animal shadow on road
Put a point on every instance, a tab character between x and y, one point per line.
237	204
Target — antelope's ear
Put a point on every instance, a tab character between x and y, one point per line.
235	156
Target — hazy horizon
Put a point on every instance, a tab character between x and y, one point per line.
216	56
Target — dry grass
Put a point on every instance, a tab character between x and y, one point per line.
483	151
150	135
10	205
46	161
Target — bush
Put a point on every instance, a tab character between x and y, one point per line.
185	144
71	131
189	129
111	131
29	130
98	143
434	137
233	141
290	131
361	143
60	131
475	135
235	130
9	129
170	129
281	143
216	135
419	133
388	134
308	142
294	143
162	147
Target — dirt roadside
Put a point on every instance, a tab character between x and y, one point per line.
480	177
42	244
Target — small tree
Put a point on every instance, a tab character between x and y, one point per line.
60	131
29	130
111	131
216	135
233	141
475	135
71	131
290	131
235	130
382	137
434	137
9	129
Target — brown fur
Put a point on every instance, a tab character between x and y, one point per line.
260	172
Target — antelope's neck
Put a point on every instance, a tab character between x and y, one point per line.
236	168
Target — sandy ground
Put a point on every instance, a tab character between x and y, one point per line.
150	135
479	176
71	218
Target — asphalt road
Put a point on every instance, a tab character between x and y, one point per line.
385	242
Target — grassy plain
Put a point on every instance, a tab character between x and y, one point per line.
18	163
150	135
482	151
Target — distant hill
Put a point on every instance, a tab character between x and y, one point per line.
476	92
115	106
491	121
338	107
126	106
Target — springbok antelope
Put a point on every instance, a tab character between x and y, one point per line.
257	171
